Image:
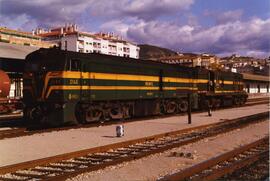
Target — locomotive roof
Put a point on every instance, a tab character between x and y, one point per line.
71	54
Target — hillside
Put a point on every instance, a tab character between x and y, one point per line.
151	52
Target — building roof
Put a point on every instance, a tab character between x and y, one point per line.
13	51
8	31
57	32
255	77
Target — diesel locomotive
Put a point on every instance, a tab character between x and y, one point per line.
64	87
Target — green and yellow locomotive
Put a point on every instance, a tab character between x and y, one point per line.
63	87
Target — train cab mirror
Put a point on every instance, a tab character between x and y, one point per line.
74	65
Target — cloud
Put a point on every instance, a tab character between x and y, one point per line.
224	17
118	26
55	12
150	9
252	35
49	12
229	16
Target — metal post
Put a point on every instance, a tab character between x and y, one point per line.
209	112
189	108
209	109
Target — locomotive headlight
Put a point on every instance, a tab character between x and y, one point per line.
60	106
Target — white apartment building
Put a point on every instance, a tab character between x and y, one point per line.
69	38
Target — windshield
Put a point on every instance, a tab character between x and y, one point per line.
44	61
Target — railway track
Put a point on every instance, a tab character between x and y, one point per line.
225	164
67	165
30	130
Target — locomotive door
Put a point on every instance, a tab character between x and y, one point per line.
211	81
76	67
85	83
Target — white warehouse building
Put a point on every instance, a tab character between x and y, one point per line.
69	38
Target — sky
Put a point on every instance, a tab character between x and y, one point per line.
221	27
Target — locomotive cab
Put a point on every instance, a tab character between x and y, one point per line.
40	69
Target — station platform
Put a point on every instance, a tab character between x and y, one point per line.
26	148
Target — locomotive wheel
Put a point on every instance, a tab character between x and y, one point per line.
170	107
106	115
116	112
93	114
35	113
241	101
183	106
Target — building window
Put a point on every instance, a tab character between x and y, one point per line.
65	45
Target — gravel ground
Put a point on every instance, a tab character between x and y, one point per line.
152	167
256	171
20	149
